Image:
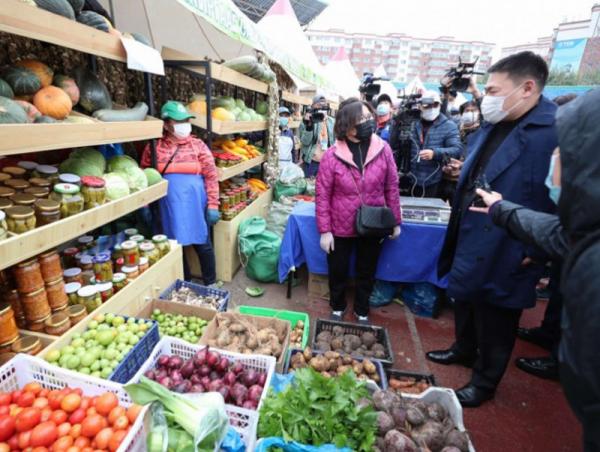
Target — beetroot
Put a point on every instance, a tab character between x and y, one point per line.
398	442
399	416
150	374
430	434
249	377
457	439
436	412
229	378
254	393
385	423
187	369
415	416
163	360
450	449
237	368
385	400
175	362
200	358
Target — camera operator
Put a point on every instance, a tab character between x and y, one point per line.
316	135
384	116
435	140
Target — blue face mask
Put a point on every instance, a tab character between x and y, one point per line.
283	121
383	109
554	190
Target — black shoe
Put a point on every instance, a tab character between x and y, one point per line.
337	316
362	320
545	367
449	356
542	294
535	336
471	396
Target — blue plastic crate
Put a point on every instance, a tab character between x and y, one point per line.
199	290
137	356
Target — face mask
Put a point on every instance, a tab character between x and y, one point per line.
492	107
283	121
430	114
554	190
182	129
364	130
383	109
468	118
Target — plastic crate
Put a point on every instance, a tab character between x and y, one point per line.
352	328
23	369
243	420
291	316
428	378
198	290
383	383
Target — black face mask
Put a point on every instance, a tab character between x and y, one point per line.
365	129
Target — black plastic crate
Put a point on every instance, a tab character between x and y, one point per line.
380	333
198	289
396	373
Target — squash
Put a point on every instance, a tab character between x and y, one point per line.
221	114
22	80
94	20
43	72
137	113
93	94
32	112
243	64
60	7
24	98
45	120
197	106
11	112
6	90
77	5
68	85
53	101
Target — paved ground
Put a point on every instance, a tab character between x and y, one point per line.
527	415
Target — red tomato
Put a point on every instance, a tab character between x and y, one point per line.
46	414
59	416
71	402
24	438
106	402
54	399
103	437
5	398
40	402
27	419
39	449
86	402
77	391
7	427
15	396
91	411
87	449
92	425
82	442
75	431
115	413
62	443
73	449
64	429
33	387
14	442
77	416
121	423
4	447
4	409
44	392
132	412
44	434
116	440
26	399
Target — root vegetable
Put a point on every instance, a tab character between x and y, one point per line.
324	346
263	336
254	393
249	377
353	341
237	328
187	369
347	359
337	330
229	378
368	339
385	423
385	400
252	342
224	339
436	412
399	416
357	367
369	367
337	343
457	439
398	442
430	434
450	449
324	336
415	416
163	360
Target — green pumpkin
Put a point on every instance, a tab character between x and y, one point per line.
6	90
77	5
22	81
94	20
11	112
44	120
93	94
60	7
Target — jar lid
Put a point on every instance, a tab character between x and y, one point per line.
47	205
2	215
25	344
143	260
159	238
86	260
56	281
38	192
76	310
138	238
69	178
40	182
23	198
129	245
101	258
4	177
66	189
104	286
130	231
7	192
46	169
17	184
13	170
87	291
72	287
5	203
4	307
6	344
27	165
39	321
48	253
57	320
71	251
19	212
119	277
93	181
34	292
72	272
85	239
129	268
147	246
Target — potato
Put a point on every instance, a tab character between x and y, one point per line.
341	370
323	346
237	328
338	330
331	355
369	367
368	339
347	359
319	363
324	336
326	374
337	343
357	368
333	364
300	325
251	342
307	353
353	341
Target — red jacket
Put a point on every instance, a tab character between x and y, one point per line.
193	157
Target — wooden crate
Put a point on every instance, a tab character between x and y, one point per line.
228	173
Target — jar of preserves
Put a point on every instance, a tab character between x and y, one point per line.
37	192
40	182
7	192
72	274
71	202
15	172
20	219
131	253
129	232
103	268
88	297
86	242
50	266
138	238
57	294
27	344
71	291
3	226
28	276
57	324
4	177
162	243
68	256
8	326
86	262
7	347
144	264
23	199
27	166
46	172
35	305
46	211
131	272
119	281
76	313
68	178
12	297
93	190
18	185
88	277
5	203
105	290
149	250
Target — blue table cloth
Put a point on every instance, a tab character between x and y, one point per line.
411	258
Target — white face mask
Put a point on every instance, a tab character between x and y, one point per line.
182	129
492	107
430	114
468	118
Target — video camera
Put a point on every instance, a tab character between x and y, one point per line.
460	76
368	87
401	131
319	114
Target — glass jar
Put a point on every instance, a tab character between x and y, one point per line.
162	243
73	274
27	166
129	232
71	202
30	345
86	243
103	268
46	172
119	281
144	264
76	313
57	294
131	272
93	190
68	256
41	183
18	185
138	238
28	276
7	347
68	178
8	326
12	297
57	324
150	252
46	211
20	219
38	326
5	203
37	192
131	253
23	199
105	290
7	192
86	262
50	266
35	305
4	177
71	291
3	226
88	278
15	172
88	297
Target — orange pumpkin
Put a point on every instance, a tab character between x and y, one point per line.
43	72
32	112
53	101
197	106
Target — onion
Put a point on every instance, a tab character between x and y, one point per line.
224	391
238	393
166	382
214	375
215	385
249	377
203	371
187	369
183	386
205	381
175	362
229	378
176	376
160	374
196	379
197	388
212	358
200	358
163	360
262	379
250	405
254	393
237	368
150	374
223	365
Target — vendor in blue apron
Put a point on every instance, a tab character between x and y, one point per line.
286	138
192	202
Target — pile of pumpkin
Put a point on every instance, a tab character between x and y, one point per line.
226	108
240	147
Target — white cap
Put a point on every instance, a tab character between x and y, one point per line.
430	97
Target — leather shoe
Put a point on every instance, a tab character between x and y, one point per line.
545	367
471	396
450	356
535	336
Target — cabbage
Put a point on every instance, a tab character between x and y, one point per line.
84	162
116	186
153	176
121	162
90	154
135	178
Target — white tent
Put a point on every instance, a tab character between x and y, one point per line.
342	75
415	87
380	72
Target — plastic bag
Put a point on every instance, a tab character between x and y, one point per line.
266	445
281	381
311	186
232	442
290	173
421	298
278	216
383	293
259	250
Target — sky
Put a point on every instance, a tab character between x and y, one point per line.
504	22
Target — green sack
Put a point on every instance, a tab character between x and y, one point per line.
297	187
259	250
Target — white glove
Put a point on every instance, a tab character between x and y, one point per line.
327	242
395	233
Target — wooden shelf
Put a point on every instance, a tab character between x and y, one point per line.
226	236
228	173
230	127
295	98
19	247
24	138
18	18
131	299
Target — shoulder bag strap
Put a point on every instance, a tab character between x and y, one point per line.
170	161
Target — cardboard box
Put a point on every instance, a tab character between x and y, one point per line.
172	307
318	287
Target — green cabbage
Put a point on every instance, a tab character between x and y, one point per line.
92	155
135	177
84	162
153	176
116	186
121	162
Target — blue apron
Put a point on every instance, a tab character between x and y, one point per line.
182	210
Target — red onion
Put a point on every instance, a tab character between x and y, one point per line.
160	374
223	365
150	374
176	376
262	379
203	371
163	360
214	375
205	381
212	358
200	358
254	393
238	393
166	382
197	388
187	369
249	377
196	379
229	378
237	368
175	362
250	405
224	391
183	386
215	385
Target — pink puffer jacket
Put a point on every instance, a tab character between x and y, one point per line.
338	198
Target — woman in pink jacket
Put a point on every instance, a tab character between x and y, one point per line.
359	168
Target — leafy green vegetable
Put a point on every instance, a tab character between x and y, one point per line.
153	176
316	410
84	162
129	170
116	186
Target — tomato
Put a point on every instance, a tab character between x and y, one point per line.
77	417
86	402
106	402
33	387
5	398
15	396
40	402
82	442
14	442
55	399
132	412
26	399
116	440
4	409
87	449
62	443
4	447
7	427
39	449
92	425
44	392
64	429
121	423
27	419
115	413
59	416
103	437
44	434
71	402
91	411
24	438
73	449
75	431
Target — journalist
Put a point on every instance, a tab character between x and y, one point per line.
316	135
384	117
490	275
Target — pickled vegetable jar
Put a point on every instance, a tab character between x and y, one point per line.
88	297
131	253
71	291
131	272
37	192
86	242
15	172
57	294
57	324
47	211
46	172
39	325
86	262
35	305
4	177
28	166
76	313
5	203
73	274
130	232
20	219
105	290
103	268
40	182
69	257
162	243
28	276
151	252
71	202
8	326
144	265
93	190
18	185
50	266
12	297
68	178
27	344
7	192
119	281
23	199
3	226
138	238
7	347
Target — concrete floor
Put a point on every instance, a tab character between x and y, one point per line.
528	414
